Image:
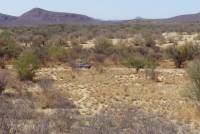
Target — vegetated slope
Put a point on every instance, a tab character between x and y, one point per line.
6	19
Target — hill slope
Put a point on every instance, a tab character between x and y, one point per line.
6	19
38	16
189	18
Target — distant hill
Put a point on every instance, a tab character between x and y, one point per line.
38	16
189	18
182	19
6	19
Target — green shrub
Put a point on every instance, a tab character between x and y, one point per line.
26	65
178	54
193	71
10	50
136	62
8	46
56	51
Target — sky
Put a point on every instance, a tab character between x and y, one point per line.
106	9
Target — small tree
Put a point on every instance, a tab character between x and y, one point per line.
193	71
26	65
136	62
178	54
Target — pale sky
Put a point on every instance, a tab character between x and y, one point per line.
106	9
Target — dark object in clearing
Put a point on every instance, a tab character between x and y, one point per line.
83	65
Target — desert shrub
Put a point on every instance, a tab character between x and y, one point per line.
74	42
193	71
5	36
45	83
10	50
3	81
192	50
138	40
26	65
171	40
178	54
197	37
56	100
41	52
2	63
56	51
8	47
74	52
149	40
143	50
39	39
150	68
161	39
136	62
103	46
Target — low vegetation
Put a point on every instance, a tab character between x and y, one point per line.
136	62
182	53
127	120
26	65
41	102
193	71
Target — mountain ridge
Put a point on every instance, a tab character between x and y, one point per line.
39	16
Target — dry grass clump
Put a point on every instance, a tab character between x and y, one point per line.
19	116
193	71
127	120
22	115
